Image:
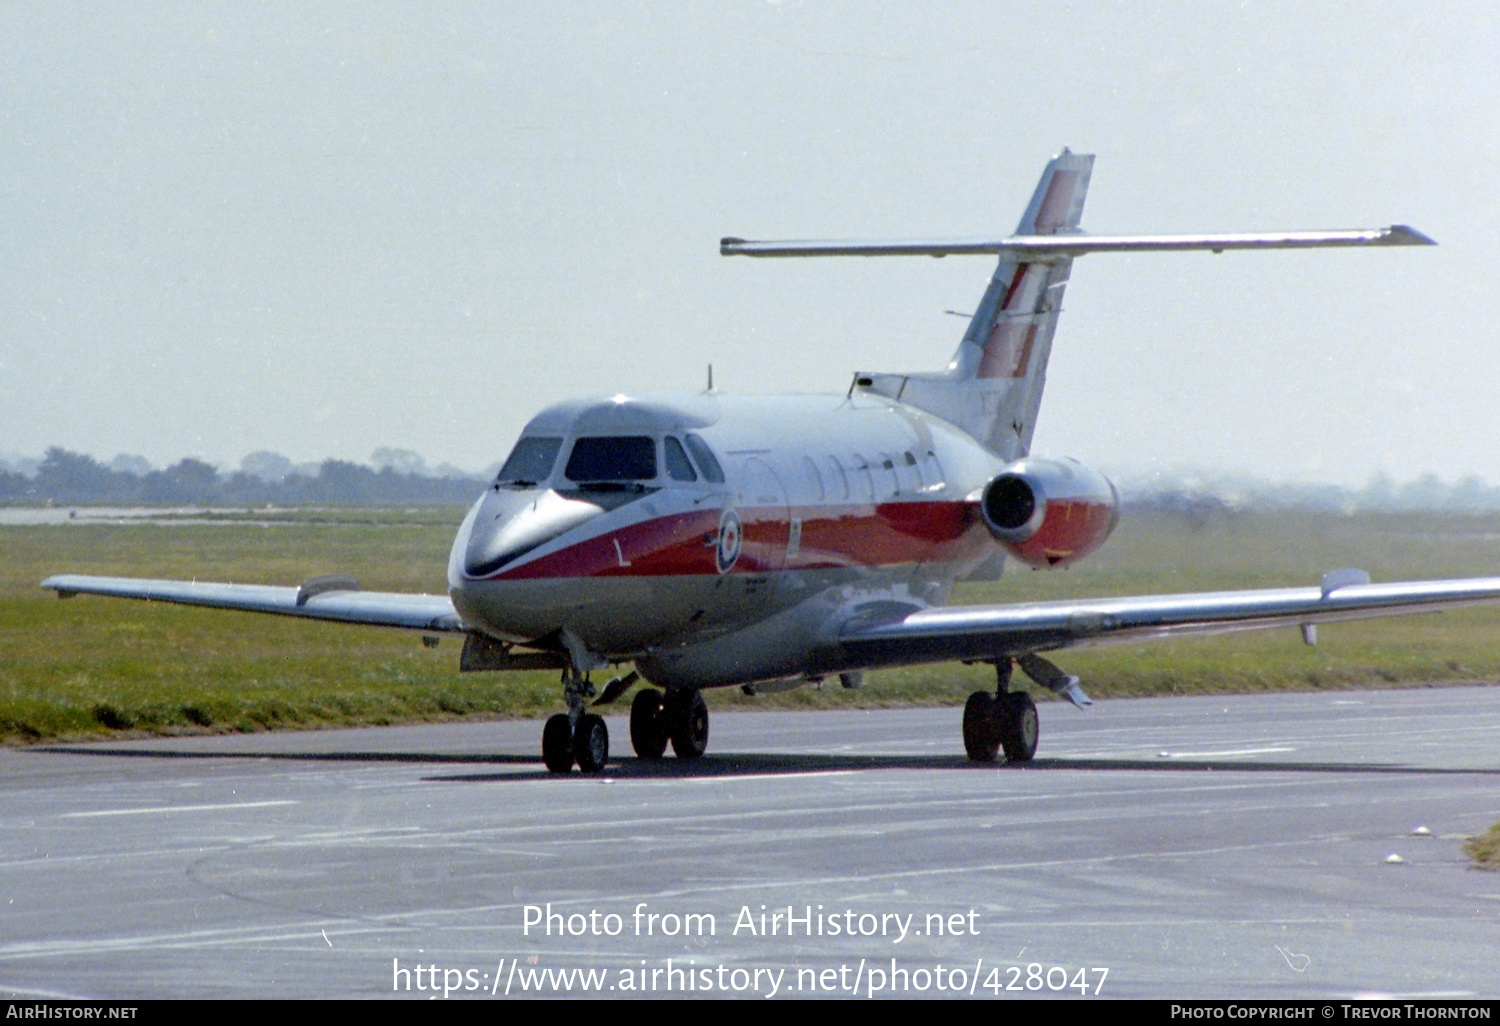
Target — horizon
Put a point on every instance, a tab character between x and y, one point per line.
1230	489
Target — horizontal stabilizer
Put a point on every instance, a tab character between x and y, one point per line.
1067	245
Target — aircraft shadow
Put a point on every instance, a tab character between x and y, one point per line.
732	764
414	757
769	764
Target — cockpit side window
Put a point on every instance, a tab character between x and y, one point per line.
707	462
530	462
612	460
679	468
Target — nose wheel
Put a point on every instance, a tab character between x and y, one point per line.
1005	721
587	744
557	744
591	743
575	736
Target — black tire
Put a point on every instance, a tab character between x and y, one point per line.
557	744
981	738
591	743
648	733
1019	728
686	716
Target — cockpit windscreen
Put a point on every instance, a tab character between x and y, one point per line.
530	462
612	460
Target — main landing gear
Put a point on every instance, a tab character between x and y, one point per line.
679	718
1005	720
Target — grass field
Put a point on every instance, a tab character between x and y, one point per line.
92	667
1485	849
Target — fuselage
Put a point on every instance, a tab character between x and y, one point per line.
718	539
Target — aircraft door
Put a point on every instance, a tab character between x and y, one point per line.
764	516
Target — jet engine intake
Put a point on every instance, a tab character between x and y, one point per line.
1049	513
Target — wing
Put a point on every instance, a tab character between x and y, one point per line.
334	598
989	632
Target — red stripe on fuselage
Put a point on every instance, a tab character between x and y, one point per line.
832	536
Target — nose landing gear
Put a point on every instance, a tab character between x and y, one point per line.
1005	720
576	735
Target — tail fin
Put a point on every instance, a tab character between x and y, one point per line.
992	388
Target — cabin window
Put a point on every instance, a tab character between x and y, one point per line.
814	479
679	468
891	479
862	486
932	471
705	458
838	481
612	460
911	474
530	462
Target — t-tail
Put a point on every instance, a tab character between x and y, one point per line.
992	388
993	385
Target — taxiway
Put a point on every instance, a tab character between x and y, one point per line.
1196	847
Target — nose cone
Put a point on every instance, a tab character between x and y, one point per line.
512	523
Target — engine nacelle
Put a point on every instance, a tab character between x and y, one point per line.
1049	513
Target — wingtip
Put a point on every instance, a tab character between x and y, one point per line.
58	584
1406	235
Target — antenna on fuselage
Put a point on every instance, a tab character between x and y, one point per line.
710	378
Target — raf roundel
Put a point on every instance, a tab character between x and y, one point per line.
730	536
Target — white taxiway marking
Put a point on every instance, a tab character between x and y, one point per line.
734	778
43	995
1220	755
175	808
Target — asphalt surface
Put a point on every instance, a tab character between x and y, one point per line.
1195	847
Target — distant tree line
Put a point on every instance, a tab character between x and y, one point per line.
70	478
1201	498
401	477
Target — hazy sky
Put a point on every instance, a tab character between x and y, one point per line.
323	228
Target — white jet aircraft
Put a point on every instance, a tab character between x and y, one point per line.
768	541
